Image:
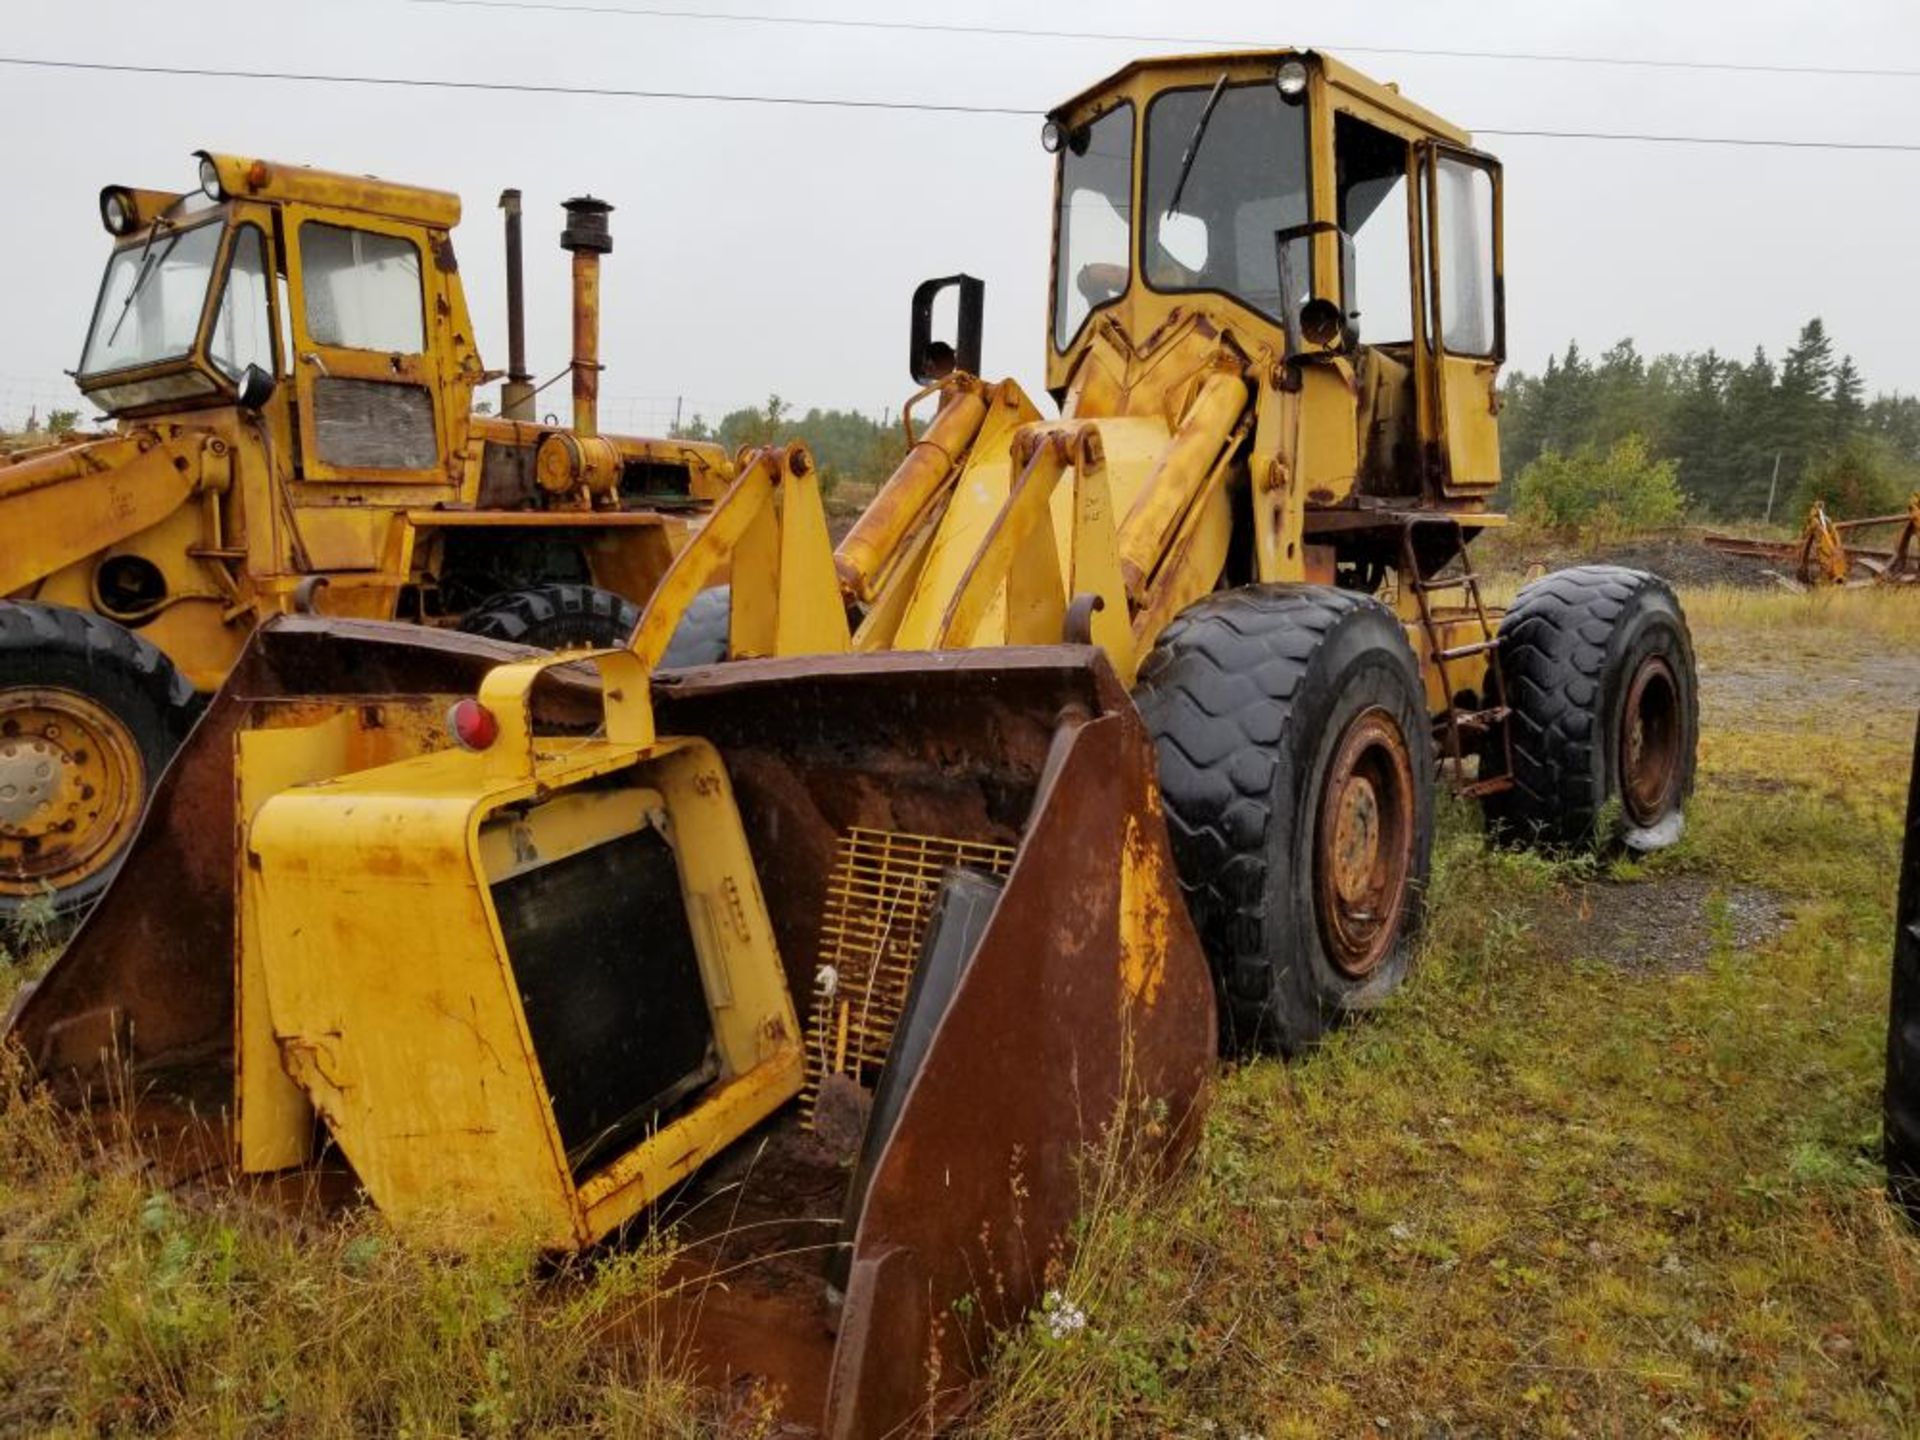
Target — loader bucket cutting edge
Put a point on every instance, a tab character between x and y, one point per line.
1083	999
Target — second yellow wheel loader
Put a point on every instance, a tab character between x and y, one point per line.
1098	741
290	365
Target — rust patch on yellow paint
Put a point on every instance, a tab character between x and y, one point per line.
1144	917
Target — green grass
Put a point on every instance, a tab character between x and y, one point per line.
1529	1196
1537	1197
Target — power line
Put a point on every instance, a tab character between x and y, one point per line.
653	12
411	82
1739	140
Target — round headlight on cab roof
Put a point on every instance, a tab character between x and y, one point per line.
210	179
1053	137
1291	79
117	212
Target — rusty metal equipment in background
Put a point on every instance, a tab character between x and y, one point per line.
1823	555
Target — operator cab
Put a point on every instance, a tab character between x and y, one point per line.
1302	210
183	311
330	302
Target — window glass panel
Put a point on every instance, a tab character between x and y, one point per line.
362	289
1371	176
1466	258
243	326
1248	179
151	300
373	425
1095	222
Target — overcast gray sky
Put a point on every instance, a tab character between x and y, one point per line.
770	248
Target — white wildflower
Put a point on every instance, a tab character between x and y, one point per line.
1063	1317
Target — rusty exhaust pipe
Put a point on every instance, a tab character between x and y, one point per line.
587	237
577	463
516	396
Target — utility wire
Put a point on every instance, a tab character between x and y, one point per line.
652	12
1756	142
411	82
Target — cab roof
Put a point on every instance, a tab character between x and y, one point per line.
246	178
1339	75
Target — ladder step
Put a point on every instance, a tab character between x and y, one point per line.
1480	721
1492	785
1449	582
1476	647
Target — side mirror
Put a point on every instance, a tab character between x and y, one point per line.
930	360
1310	319
255	389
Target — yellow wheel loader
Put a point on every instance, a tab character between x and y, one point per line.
1100	741
289	359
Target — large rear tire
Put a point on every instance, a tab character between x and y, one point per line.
1297	772
1600	677
90	714
556	617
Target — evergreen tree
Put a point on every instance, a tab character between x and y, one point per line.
1845	409
1724	424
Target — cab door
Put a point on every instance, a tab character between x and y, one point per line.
1466	311
371	393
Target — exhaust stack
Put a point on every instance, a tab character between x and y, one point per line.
516	396
579	460
586	238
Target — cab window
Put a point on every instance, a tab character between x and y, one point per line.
242	332
1469	325
1371	179
1245	179
362	289
1094	227
151	300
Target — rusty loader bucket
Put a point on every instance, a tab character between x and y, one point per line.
840	964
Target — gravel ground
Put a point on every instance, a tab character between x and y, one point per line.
1669	924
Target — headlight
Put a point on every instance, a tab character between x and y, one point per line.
1053	137
117	212
1291	79
210	179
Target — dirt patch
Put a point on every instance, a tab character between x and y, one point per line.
1671	924
1681	558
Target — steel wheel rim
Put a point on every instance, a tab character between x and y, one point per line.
1363	843
71	784
1650	742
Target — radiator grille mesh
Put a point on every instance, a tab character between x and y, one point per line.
879	902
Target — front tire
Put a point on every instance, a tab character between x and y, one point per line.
556	617
1600	677
90	714
1297	772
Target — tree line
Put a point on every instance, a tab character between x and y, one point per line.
1730	434
847	445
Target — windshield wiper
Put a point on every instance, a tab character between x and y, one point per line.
149	262
1193	143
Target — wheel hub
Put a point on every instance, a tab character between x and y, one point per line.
71	782
1356	839
1363	843
1650	742
31	773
